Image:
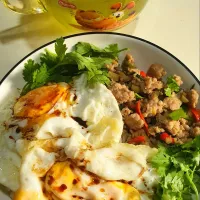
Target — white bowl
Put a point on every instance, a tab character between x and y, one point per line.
145	53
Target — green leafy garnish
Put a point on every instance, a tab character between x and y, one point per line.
138	76
62	66
138	96
87	49
177	114
168	92
172	86
60	48
179	170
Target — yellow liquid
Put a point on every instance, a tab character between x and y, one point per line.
94	15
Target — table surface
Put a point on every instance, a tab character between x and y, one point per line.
173	25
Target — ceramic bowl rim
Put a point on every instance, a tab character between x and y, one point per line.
102	33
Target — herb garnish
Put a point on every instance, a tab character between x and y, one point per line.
179	169
62	66
172	86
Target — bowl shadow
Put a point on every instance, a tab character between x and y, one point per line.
35	30
39	29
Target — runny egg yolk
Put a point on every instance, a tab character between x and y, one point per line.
39	101
131	192
66	181
28	195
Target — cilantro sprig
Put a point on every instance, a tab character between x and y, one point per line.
87	49
172	86
62	66
179	169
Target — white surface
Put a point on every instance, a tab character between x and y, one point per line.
172	24
144	54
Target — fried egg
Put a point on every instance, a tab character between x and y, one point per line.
92	110
46	113
120	161
98	107
55	164
66	181
38	101
61	134
35	165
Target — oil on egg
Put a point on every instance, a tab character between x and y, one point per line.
66	181
85	172
49	110
64	144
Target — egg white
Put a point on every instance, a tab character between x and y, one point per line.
98	107
114	163
118	162
57	135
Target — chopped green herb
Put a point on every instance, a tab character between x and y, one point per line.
177	114
49	58
172	86
62	66
179	169
35	78
29	68
138	76
138	96
121	106
168	92
60	48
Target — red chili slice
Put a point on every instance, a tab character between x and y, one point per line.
143	74
196	114
137	140
164	136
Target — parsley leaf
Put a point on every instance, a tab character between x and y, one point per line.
37	77
60	78
60	48
40	77
161	161
83	48
87	49
179	169
62	66
172	86
81	61
98	77
177	114
114	50
29	68
102	62
49	58
193	144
